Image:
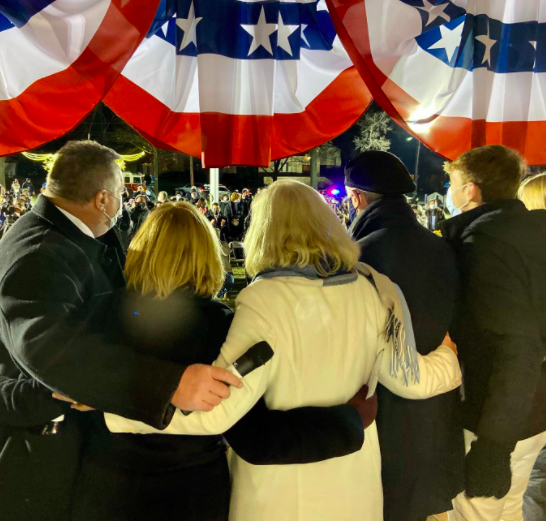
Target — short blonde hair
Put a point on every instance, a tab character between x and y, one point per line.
235	197
497	170
175	247
533	192
293	225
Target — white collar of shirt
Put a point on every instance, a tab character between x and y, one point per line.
78	222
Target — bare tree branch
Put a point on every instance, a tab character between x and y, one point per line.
373	132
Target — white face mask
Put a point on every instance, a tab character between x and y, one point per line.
456	190
117	215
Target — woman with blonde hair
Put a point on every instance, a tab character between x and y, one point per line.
533	192
333	325
173	271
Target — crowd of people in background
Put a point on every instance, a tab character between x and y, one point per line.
15	202
230	217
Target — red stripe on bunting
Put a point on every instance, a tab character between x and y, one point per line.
225	140
351	24
141	110
452	136
330	114
54	105
447	136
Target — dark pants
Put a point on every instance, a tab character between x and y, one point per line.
198	493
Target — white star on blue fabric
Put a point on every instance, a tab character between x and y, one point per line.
434	11
489	44
283	32
188	25
450	40
260	33
165	28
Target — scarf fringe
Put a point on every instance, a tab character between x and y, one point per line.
404	356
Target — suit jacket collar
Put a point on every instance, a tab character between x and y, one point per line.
47	211
388	212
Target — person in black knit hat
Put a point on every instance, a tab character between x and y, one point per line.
422	447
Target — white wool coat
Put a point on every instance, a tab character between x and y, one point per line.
326	340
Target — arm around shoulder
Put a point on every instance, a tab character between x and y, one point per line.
248	328
45	331
438	372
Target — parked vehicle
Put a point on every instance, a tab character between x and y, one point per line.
222	190
185	190
204	191
132	181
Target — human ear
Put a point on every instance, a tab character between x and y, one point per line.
100	200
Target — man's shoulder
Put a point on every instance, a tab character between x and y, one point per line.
34	241
412	256
412	233
514	228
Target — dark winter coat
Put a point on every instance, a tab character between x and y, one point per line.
51	277
422	447
438	214
124	226
245	207
138	216
29	186
500	325
236	209
226	210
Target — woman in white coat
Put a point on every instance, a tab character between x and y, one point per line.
327	319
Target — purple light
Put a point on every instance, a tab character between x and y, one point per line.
335	191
